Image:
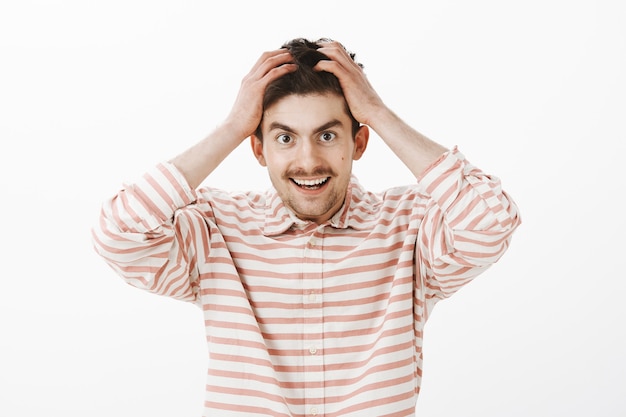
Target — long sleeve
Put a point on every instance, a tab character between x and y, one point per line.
466	228
137	234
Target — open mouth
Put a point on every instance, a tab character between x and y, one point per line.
311	184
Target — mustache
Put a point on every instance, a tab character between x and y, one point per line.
318	172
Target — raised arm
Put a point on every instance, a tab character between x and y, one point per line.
200	160
415	150
143	234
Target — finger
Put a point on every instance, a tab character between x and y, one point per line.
270	60
336	52
341	70
267	55
277	72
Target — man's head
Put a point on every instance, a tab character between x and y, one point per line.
308	137
305	80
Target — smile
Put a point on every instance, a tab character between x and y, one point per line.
310	184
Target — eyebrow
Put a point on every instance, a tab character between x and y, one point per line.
325	126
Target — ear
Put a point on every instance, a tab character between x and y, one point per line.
257	149
360	142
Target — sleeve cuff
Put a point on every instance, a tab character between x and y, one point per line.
161	191
443	176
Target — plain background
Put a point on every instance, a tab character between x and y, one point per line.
93	93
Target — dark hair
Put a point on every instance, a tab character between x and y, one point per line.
305	80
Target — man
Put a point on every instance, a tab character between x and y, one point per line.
314	293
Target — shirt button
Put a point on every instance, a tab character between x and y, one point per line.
312	350
312	241
313	411
312	297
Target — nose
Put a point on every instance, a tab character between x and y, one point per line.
308	154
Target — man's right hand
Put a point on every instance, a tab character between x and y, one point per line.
247	111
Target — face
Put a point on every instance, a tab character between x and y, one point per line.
308	149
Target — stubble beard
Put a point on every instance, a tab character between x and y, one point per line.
311	210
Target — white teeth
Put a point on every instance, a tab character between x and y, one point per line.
310	183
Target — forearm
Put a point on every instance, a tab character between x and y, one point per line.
138	236
475	215
466	228
415	150
197	162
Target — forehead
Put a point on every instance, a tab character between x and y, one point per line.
307	112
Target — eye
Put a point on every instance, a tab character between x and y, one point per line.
284	139
327	136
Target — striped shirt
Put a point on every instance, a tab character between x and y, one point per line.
305	319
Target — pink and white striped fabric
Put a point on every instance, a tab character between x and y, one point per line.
305	319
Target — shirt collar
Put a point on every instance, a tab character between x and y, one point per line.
359	211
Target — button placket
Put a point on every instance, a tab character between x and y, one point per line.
313	326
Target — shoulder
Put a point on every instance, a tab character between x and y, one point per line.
394	202
245	202
392	196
